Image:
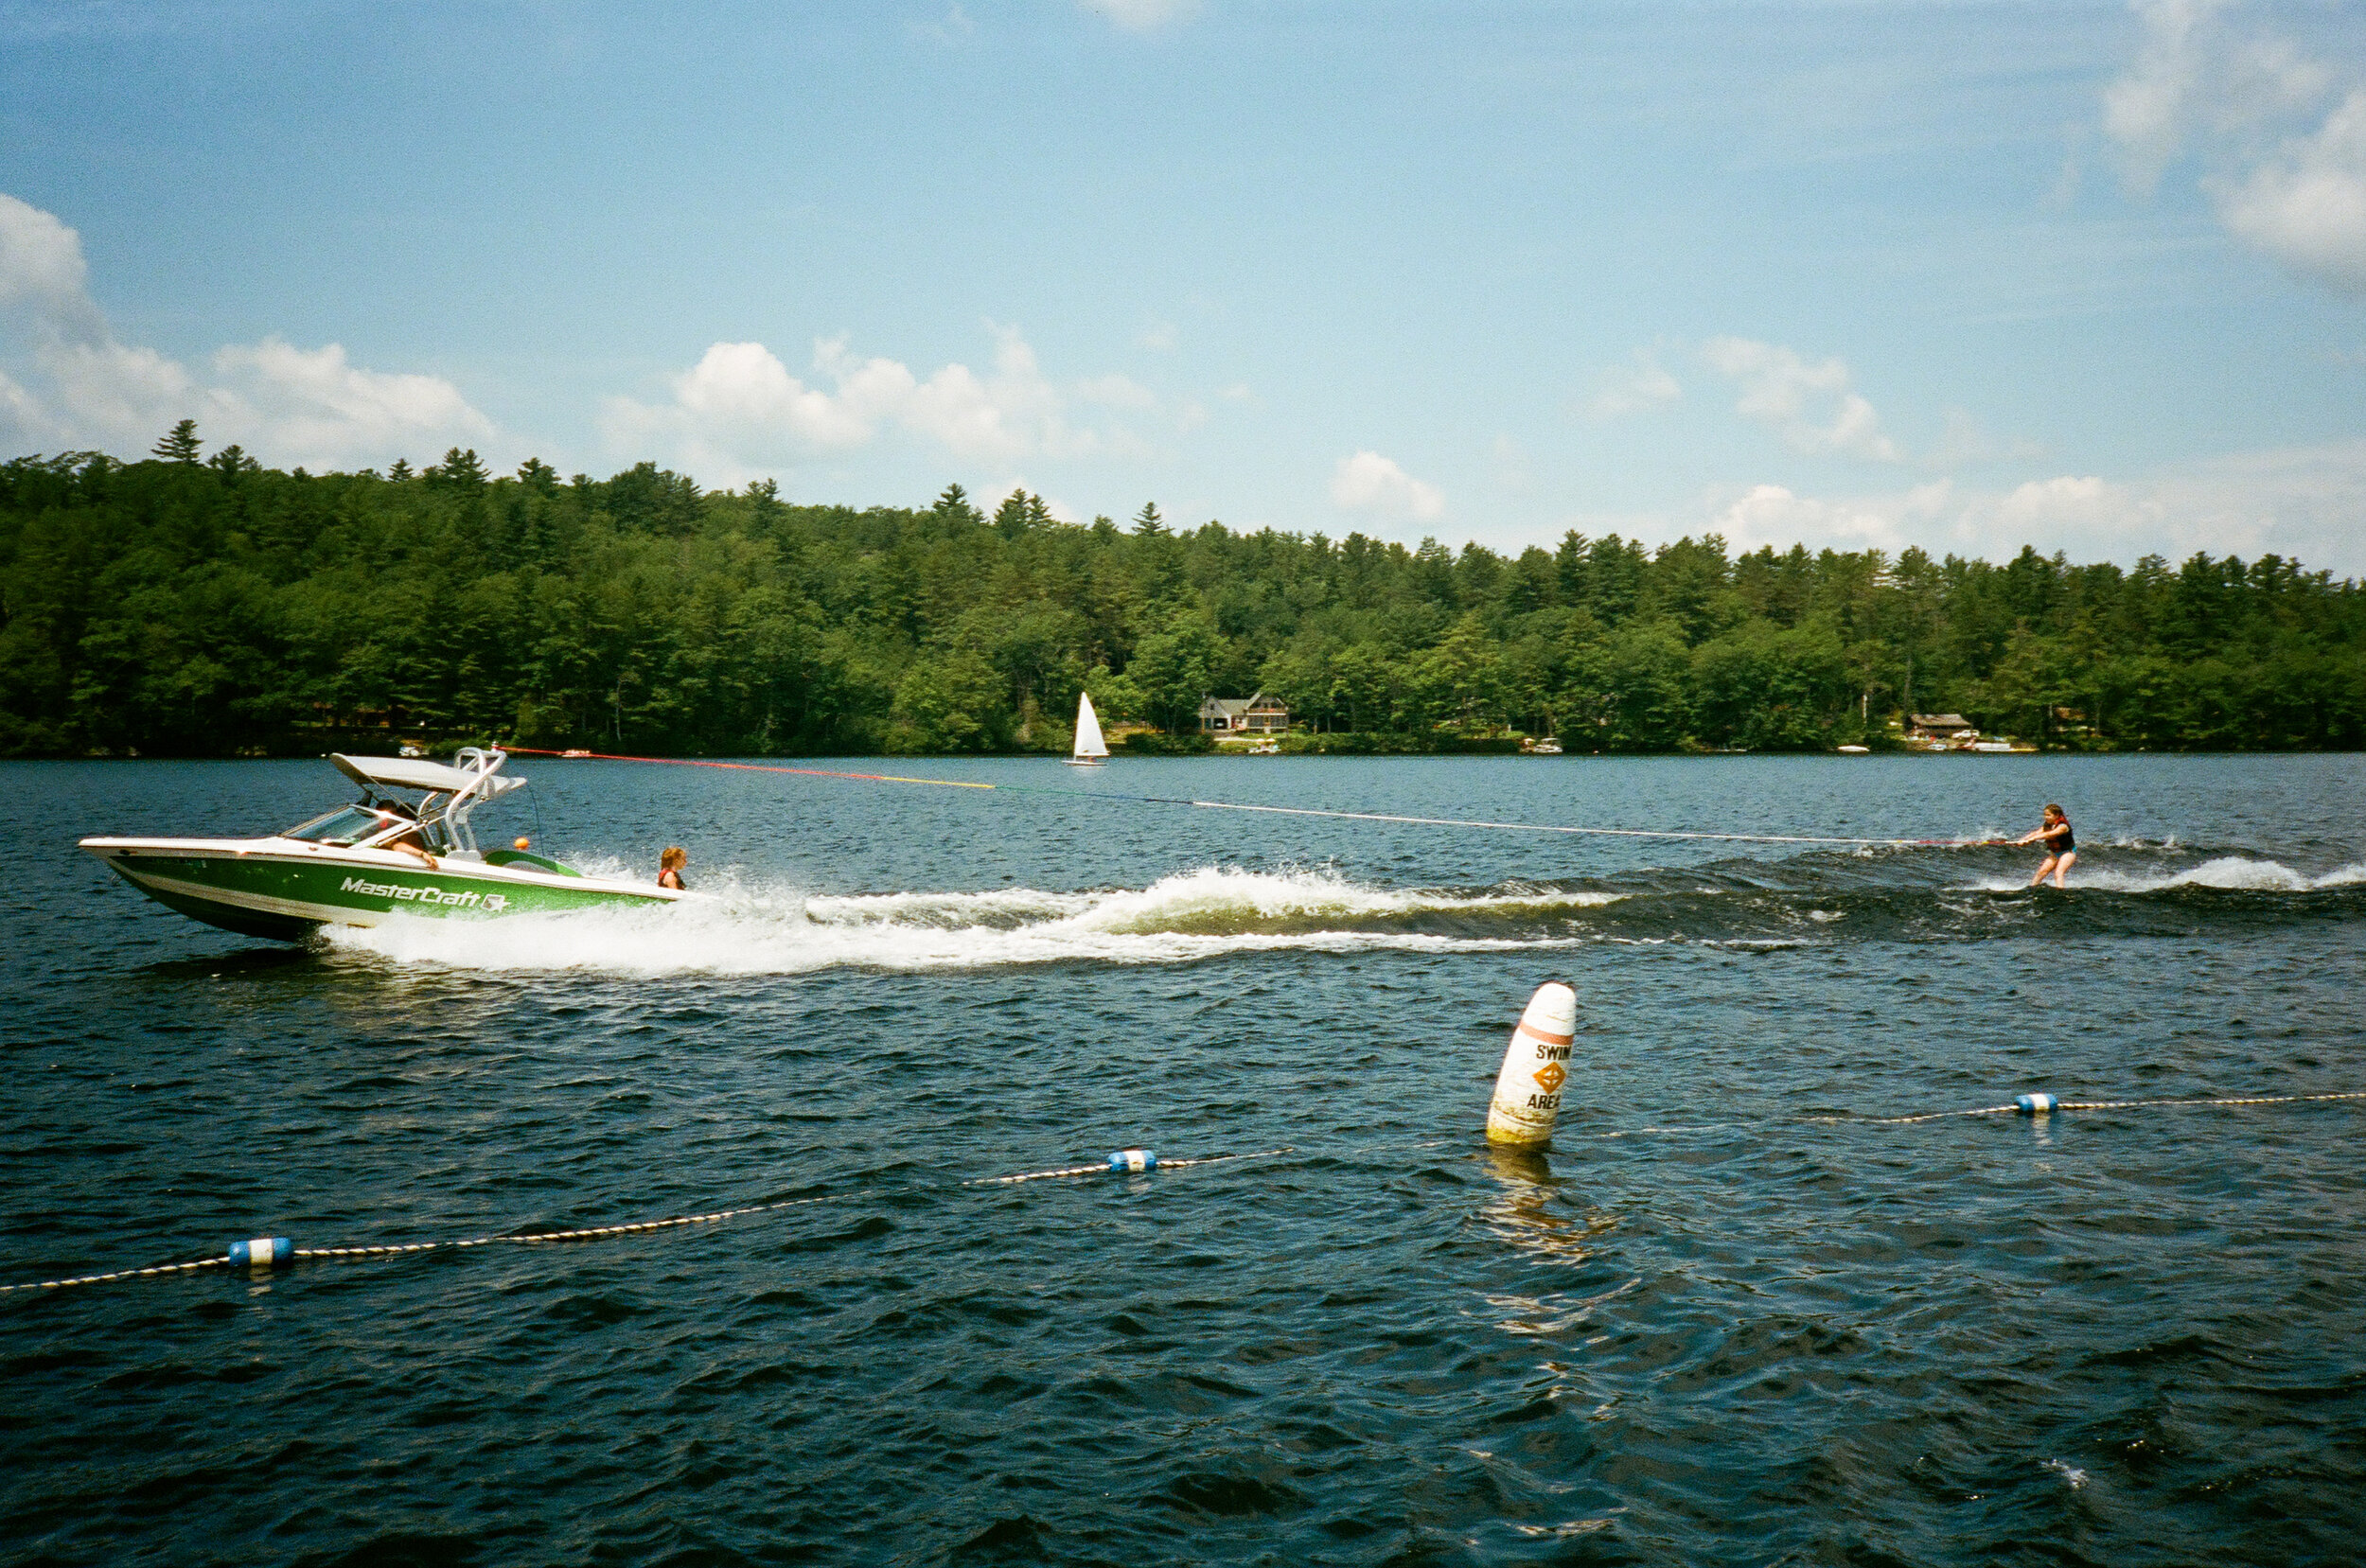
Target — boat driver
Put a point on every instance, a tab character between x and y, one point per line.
409	841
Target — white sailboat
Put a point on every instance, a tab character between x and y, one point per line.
1090	748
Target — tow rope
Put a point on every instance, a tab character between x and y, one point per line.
1277	811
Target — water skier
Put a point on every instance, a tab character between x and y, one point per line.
2061	847
669	867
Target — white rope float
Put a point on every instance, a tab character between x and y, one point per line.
1123	1162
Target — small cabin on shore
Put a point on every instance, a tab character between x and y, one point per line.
1259	715
1944	727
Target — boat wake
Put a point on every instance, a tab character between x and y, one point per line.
1193	915
1819	899
2230	872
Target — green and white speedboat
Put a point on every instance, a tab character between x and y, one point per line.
345	867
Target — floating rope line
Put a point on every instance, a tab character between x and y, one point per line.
1927	1116
2038	1104
269	1252
587	1233
1279	811
1100	1169
119	1274
266	1253
2252	1099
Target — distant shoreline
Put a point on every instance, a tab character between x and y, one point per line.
1119	757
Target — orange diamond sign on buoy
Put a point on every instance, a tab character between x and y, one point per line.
1551	1075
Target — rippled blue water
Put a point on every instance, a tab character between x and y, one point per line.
1728	1319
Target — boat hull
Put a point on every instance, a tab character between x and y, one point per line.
285	891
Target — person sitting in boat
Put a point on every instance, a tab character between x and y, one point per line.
409	841
669	867
2061	846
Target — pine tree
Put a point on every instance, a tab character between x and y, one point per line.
1147	522
954	507
1012	517
179	444
461	470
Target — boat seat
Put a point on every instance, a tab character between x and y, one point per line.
520	858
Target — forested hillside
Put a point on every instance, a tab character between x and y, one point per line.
187	605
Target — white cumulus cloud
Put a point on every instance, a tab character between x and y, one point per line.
2299	502
318	402
2306	205
68	382
42	271
1371	482
1773	515
1809	403
739	411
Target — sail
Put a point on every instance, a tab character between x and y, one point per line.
1088	741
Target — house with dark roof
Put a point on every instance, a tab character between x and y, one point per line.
1257	715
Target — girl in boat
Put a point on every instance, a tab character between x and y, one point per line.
2061	847
669	867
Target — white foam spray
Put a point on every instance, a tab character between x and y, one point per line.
1194	914
2233	872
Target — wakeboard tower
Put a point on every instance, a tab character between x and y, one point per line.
339	869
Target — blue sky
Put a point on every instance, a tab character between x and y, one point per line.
1961	276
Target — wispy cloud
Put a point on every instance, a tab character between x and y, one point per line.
1510	462
1966	441
1141	16
1809	403
954	27
69	383
1371	482
2288	177
1632	388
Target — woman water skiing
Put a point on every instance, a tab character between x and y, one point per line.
2061	847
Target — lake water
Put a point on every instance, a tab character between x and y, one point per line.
1730	1318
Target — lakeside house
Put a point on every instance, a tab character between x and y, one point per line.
1942	727
1259	715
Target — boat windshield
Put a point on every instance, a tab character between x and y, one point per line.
345	825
